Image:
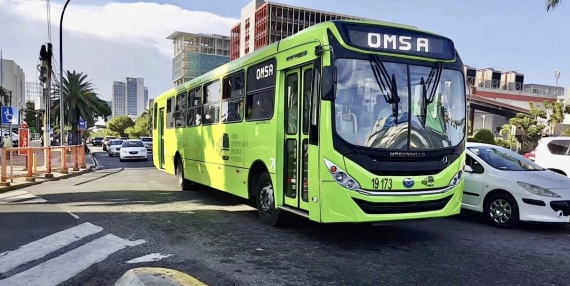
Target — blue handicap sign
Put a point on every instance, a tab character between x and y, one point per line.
82	124
10	115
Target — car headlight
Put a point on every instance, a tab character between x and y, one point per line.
539	191
456	179
341	177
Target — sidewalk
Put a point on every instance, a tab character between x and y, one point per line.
17	174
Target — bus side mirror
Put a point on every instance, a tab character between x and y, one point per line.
327	83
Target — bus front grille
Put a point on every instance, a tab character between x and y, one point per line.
402	207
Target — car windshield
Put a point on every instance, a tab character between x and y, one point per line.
132	144
381	104
147	139
504	159
116	142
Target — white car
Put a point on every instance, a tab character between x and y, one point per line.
508	188
133	149
554	153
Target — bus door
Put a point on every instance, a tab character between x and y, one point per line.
296	95
161	127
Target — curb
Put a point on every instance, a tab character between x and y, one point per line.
157	276
25	185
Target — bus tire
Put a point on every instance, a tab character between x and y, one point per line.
265	201
183	184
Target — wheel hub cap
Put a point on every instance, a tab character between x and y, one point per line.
500	211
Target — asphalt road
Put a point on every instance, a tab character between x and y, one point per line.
220	240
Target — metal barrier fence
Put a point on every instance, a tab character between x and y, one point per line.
31	162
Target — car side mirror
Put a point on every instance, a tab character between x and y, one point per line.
468	169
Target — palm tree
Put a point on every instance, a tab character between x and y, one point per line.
551	4
79	101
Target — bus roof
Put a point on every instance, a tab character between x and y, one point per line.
275	47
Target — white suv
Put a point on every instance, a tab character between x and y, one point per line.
553	153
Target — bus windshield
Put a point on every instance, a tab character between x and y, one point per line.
381	104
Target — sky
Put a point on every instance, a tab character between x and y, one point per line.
112	40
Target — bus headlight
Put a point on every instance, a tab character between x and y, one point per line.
456	179
341	177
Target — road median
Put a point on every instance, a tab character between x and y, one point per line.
157	276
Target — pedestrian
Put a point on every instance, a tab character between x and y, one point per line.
7	143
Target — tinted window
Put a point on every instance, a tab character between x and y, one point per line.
504	159
559	147
148	139
116	142
476	166
133	144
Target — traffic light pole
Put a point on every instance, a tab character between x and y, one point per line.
61	102
45	77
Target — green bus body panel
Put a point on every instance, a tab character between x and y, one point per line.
206	161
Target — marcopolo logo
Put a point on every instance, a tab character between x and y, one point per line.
408	182
408	154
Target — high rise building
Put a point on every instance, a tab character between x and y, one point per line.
196	54
129	97
34	90
263	23
12	81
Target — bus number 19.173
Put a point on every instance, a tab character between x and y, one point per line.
384	184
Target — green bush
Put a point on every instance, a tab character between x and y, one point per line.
485	136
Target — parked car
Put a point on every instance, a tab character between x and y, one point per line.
133	149
508	188
147	141
554	153
114	147
97	141
105	142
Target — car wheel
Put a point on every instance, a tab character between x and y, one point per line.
265	202
501	210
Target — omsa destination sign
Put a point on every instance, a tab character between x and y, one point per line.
397	40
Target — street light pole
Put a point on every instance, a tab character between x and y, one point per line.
61	113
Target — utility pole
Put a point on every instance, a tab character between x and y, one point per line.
45	77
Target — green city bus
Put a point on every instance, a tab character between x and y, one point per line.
344	121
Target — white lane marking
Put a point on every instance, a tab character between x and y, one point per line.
12	194
73	215
42	247
69	264
149	258
36	200
16	198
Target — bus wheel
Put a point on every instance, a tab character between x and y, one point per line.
265	198
184	185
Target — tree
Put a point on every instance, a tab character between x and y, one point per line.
32	117
5	96
141	127
119	124
103	109
79	101
551	4
556	112
530	127
484	136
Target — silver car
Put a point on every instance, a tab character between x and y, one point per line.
114	147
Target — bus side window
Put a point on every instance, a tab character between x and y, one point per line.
232	98
179	116
169	113
210	112
260	105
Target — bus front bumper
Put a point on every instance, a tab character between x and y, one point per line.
342	205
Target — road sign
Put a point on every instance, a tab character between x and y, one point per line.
10	115
23	140
82	124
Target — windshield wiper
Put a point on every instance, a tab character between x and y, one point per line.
387	84
434	76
